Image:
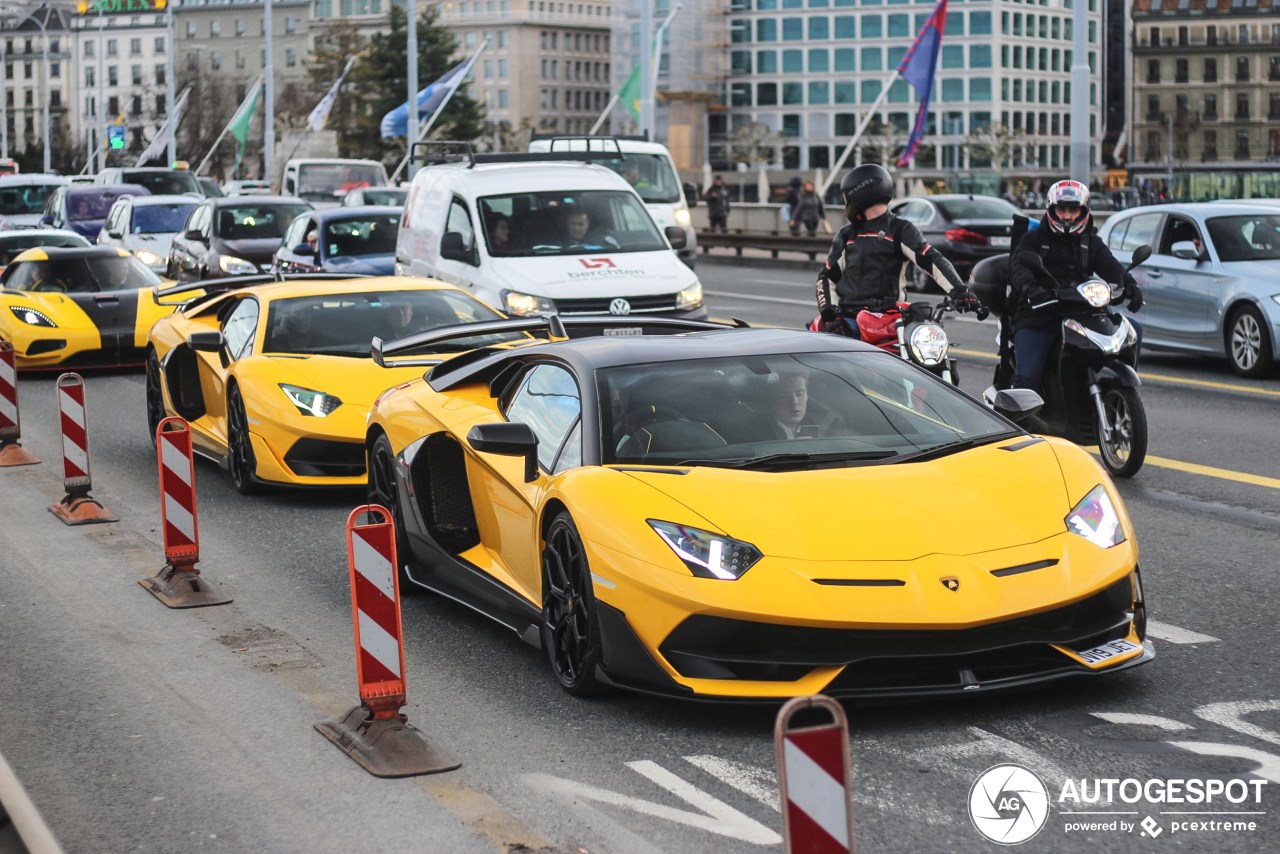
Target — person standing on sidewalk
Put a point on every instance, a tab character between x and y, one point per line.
808	210
717	199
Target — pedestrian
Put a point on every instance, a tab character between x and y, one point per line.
807	210
717	199
791	199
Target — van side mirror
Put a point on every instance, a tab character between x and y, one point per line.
678	236
452	247
206	342
509	439
1017	404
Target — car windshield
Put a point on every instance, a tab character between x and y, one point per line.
91	204
393	196
11	246
1255	237
164	182
345	324
650	175
211	188
256	222
374	235
19	199
159	219
977	208
567	223
803	410
84	275
327	181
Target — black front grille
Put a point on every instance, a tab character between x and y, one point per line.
46	345
321	458
600	305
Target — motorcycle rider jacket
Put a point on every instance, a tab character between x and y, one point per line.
1070	258
867	266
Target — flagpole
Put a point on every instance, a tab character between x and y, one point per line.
657	47
169	127
604	115
862	127
252	93
457	83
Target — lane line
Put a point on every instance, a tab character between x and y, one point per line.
806	302
1210	471
1173	634
1141	719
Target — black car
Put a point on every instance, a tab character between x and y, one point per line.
964	228
234	236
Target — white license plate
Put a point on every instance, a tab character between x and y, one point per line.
1108	650
1000	242
623	331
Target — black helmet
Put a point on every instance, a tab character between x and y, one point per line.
864	186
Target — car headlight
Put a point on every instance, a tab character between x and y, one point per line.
1095	518
707	554
151	259
237	266
690	297
1096	293
309	401
928	343
682	216
524	305
32	317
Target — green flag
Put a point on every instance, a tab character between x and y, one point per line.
629	94
239	124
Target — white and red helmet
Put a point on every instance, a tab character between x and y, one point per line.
1070	194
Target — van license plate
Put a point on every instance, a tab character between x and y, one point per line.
1108	650
621	331
1000	242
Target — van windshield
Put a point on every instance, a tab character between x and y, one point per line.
567	223
328	181
650	175
20	199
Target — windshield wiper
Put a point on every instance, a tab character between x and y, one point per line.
784	459
958	445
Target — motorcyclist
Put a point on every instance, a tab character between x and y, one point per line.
866	268
1071	251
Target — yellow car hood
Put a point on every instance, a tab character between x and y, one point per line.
963	504
354	381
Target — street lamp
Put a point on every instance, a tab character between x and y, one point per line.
4	88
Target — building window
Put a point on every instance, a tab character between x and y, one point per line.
871	27
819	61
790	124
503	96
872	59
1274	73
90	78
1242	69
502	68
952	89
980	24
846	93
113	106
1211	70
819	29
1273	145
740	94
1244	38
953	56
191	31
1153	108
135	106
1210	108
1182	71
1242	145
819	92
1242	105
53	46
159	47
135	47
1152	153
792	29
291	57
111	47
88	49
239	60
980	56
324	8
1153	71
792	93
766	94
113	76
241	30
55	99
1274	112
135	74
160	72
846	59
1183	37
215	29
766	30
215	60
503	39
1211	35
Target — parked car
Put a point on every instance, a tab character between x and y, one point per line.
145	226
376	196
235	236
83	208
23	197
360	241
964	228
210	188
1212	284
158	180
246	188
14	243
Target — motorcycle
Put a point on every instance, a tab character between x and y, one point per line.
912	331
1090	386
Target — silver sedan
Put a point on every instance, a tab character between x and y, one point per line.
1212	284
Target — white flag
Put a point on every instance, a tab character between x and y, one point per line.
320	115
160	145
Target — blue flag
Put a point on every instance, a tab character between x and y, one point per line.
918	68
396	122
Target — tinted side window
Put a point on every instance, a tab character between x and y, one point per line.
1116	238
240	328
549	403
1142	231
1177	229
460	223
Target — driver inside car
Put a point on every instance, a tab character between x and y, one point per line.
578	232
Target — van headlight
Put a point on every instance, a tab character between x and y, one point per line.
1095	518
524	305
309	401
682	216
690	297
928	344
1097	294
151	259
706	553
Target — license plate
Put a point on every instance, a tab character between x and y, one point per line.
623	331
1108	650
1001	242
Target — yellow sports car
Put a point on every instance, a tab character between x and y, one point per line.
755	514
276	379
65	307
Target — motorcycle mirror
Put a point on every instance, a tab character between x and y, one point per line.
1032	260
1017	404
1142	253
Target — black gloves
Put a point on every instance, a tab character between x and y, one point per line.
1134	293
1040	298
829	313
965	299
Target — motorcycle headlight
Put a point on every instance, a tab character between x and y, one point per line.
690	297
682	217
309	401
524	305
707	554
928	344
1095	518
234	266
151	259
1097	294
31	317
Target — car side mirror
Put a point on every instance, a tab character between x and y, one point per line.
1186	250
303	249
1142	253
207	342
452	247
678	236
509	439
46	220
690	194
193	234
115	235
1017	404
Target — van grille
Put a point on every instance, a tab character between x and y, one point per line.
600	305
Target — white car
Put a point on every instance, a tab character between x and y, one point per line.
247	188
22	198
145	226
536	234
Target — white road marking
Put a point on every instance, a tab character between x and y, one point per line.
1268	763
986	744
1231	716
1173	634
1142	720
758	783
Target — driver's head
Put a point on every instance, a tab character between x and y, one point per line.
577	224
313	239
789	398
401	314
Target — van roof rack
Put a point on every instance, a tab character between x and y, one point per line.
538	135
435	152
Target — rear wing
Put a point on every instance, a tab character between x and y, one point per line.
548	324
435	152
231	283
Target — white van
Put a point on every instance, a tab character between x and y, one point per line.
648	168
324	181
535	234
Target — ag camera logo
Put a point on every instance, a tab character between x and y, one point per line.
1009	804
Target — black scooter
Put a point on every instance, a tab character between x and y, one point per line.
1090	385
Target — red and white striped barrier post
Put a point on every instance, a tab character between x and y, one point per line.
11	452
816	782
374	733
179	584
77	507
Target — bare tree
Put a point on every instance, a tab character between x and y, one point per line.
997	146
754	144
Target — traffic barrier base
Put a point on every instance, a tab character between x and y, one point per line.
78	507
182	587
81	510
374	733
13	454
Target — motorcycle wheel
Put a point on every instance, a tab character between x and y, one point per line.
1124	454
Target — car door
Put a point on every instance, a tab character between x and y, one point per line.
114	227
1126	236
188	249
1184	295
458	222
239	325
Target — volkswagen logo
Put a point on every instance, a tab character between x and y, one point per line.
619	307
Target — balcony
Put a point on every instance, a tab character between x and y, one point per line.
1210	155
1241	154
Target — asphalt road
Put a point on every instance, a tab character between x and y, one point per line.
138	728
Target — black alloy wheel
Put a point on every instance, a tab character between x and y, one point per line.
382	490
1124	454
240	457
570	626
155	394
1249	343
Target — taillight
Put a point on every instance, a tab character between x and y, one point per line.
964	235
